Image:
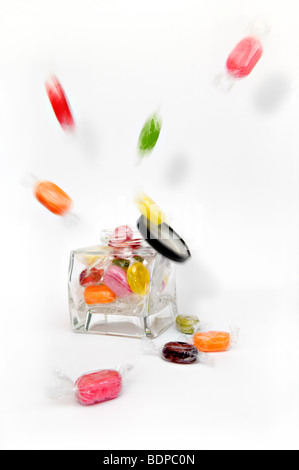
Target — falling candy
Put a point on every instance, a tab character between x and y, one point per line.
149	134
179	352
138	278
99	295
187	324
244	56
52	197
212	341
59	104
149	209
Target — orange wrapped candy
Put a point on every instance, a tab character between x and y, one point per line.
212	341
52	197
100	294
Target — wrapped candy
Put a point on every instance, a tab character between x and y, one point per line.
117	279
215	341
91	388
244	56
177	352
139	278
149	134
149	209
187	324
99	294
60	104
52	197
91	277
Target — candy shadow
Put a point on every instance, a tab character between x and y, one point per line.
272	92
87	139
177	171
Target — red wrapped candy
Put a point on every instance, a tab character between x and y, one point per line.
60	104
91	277
98	386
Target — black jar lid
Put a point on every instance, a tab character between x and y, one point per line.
164	240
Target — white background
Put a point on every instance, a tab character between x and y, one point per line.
226	171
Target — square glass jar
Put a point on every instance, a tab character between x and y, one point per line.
127	312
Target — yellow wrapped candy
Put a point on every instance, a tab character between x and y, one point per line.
149	209
138	278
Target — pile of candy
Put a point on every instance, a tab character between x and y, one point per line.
119	274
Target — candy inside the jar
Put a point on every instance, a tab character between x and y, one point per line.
60	104
187	324
90	277
179	352
116	279
122	234
52	197
122	263
138	278
99	294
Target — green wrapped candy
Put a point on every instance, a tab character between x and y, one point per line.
187	324
149	134
138	258
122	263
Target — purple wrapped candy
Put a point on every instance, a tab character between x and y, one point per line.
179	352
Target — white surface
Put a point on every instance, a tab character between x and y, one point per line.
225	169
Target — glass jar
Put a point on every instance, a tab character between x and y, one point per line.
108	292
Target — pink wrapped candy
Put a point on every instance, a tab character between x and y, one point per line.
116	279
244	57
98	386
89	389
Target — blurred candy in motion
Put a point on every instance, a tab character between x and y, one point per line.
60	104
244	56
149	209
149	134
52	197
